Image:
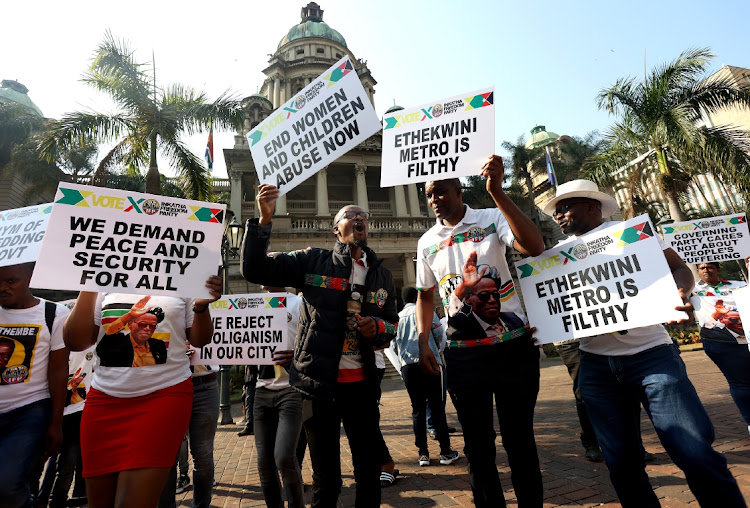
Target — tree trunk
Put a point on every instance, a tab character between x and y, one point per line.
153	184
674	205
700	189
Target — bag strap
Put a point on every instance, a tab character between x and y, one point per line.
50	310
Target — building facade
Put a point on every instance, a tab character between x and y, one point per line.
304	216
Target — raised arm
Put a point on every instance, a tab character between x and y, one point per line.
203	328
528	238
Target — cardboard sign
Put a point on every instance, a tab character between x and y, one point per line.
326	119
699	241
444	139
602	282
21	233
102	239
248	329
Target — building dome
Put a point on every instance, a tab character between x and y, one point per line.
13	91
540	137
393	109
312	25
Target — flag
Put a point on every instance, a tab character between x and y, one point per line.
210	149
550	168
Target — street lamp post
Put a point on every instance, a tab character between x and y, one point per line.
230	245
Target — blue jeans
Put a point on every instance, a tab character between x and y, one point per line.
615	386
733	360
22	433
201	432
277	417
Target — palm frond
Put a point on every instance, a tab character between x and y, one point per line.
192	174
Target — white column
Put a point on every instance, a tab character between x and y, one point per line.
398	190
236	195
407	263
277	92
270	90
287	90
414	209
321	192
359	173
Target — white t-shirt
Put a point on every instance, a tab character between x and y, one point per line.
633	340
442	253
717	311
80	372
163	355
281	378
26	344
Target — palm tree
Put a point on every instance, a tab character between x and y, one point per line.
663	114
150	119
524	162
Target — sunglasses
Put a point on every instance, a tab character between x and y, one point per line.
351	214
563	209
484	296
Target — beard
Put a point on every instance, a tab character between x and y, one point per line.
360	243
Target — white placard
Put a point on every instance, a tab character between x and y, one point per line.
723	238
102	239
248	329
602	282
443	139
21	233
326	119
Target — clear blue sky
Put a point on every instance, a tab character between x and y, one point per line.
547	60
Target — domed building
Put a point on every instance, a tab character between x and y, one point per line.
304	215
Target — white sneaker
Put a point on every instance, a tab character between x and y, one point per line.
424	460
449	458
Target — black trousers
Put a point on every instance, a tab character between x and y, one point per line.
322	421
426	389
509	374
571	357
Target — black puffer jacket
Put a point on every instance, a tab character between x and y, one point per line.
324	276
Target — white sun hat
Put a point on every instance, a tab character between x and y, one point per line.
582	189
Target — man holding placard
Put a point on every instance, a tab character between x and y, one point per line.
722	334
348	308
490	352
621	370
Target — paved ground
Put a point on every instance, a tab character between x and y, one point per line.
569	480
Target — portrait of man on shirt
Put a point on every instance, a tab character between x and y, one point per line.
138	348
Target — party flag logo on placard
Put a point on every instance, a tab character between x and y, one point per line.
479	101
634	234
339	72
73	197
204	214
275	302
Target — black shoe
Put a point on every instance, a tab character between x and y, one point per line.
452	430
247	431
78	501
594	454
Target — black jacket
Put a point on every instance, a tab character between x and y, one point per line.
323	276
464	326
117	351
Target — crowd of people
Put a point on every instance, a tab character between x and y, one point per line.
123	404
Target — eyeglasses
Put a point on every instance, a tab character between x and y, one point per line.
351	214
563	209
484	296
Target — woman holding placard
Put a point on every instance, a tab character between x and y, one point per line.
138	408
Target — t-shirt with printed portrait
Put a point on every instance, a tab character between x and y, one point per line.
25	346
148	352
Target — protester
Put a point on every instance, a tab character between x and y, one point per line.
424	390
248	400
136	413
619	371
33	379
62	467
349	308
490	357
722	334
204	417
277	417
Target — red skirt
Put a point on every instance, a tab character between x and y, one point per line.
118	434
